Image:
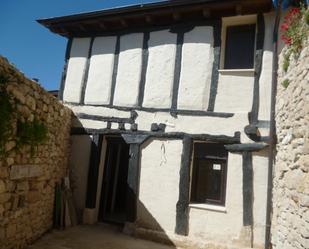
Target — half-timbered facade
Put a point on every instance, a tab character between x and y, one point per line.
172	106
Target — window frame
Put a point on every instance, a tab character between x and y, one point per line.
193	177
236	21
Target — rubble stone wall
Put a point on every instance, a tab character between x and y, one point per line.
27	181
290	225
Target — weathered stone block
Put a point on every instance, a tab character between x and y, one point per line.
24	171
4	197
2	187
11	230
33	196
22	186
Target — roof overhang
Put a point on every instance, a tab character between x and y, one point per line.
151	15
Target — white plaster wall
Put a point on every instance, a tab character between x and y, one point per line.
159	184
129	70
98	110
235	92
260	175
76	69
79	165
211	224
101	71
196	69
266	72
160	69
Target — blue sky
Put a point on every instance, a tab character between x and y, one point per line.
32	48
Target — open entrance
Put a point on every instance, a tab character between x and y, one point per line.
114	185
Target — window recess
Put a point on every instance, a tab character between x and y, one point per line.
208	183
239	47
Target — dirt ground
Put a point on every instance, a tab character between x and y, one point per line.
93	237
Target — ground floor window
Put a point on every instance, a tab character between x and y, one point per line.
209	170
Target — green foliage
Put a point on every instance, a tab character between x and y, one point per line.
285	83
28	133
3	79
31	133
5	119
294	31
306	16
286	61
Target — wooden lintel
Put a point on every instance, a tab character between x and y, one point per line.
176	16
238	9
82	27
102	25
124	23
206	13
149	19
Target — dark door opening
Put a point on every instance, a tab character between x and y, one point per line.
114	186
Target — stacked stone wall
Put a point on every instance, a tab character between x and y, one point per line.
290	224
27	181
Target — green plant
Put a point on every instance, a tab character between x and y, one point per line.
306	16
31	133
5	119
28	133
285	83
286	61
294	31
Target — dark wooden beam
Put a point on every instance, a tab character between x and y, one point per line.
124	23
206	13
238	9
176	16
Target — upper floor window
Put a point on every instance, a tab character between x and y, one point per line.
239	47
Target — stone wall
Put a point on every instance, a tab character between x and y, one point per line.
27	182
290	225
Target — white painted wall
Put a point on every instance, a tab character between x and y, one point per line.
235	91
159	184
79	165
76	69
211	224
100	74
196	69
160	69
129	70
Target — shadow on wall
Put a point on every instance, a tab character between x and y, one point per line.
79	173
148	227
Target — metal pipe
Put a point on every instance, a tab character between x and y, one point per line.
272	128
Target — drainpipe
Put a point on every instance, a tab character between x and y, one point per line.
272	128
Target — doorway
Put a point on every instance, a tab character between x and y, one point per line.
114	184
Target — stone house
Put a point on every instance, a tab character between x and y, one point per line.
172	115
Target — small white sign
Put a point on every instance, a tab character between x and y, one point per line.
216	166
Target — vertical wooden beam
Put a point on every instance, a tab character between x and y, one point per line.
115	69
177	71
85	77
216	65
258	67
144	69
133	173
182	206
65	68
